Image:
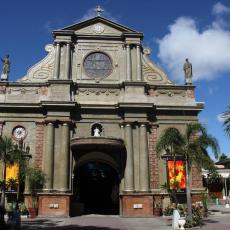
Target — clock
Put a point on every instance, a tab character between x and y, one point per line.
98	65
98	29
19	132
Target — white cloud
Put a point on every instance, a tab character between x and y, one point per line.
48	26
210	91
204	120
219	8
207	50
89	14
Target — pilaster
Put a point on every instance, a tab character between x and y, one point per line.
57	61
129	172
128	62
67	62
138	63
144	160
64	158
49	156
122	183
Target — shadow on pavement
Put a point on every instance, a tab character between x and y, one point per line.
47	224
208	221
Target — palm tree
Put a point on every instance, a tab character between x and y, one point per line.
6	157
169	141
192	145
6	148
226	116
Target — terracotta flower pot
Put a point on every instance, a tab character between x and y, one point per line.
157	211
33	212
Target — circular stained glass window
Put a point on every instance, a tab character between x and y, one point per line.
97	65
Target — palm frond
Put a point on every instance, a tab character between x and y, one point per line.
226	117
194	129
170	138
206	141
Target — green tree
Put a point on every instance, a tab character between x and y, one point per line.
223	157
7	148
192	145
35	178
226	117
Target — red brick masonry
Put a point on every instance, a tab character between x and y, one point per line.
39	144
53	205
137	206
153	160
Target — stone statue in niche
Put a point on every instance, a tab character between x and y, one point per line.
5	68
96	132
188	72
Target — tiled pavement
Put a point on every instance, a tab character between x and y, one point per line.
96	222
99	222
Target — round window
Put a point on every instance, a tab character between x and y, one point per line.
97	65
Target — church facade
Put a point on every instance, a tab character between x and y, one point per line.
91	112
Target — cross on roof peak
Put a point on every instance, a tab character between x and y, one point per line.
98	10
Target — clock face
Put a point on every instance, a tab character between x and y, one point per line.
97	65
98	29
19	132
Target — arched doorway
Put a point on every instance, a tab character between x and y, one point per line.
96	186
97	173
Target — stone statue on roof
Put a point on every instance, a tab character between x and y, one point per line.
188	72
5	68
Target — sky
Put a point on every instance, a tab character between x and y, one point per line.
173	30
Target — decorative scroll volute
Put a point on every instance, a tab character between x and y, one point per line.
151	72
43	70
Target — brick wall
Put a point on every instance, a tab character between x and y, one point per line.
153	160
129	203
196	178
39	144
53	205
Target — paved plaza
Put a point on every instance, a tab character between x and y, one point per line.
99	222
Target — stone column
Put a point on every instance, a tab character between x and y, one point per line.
64	158
67	63
49	156
57	61
129	178
122	184
144	160
128	63
138	63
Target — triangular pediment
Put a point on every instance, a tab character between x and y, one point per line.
98	25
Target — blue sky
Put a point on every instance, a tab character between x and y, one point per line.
174	30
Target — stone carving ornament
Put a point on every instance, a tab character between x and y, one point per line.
107	92
170	93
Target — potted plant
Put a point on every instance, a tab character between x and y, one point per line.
35	179
157	211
